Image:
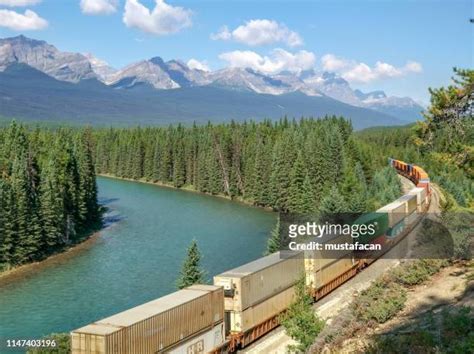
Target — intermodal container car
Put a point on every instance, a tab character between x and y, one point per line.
396	211
155	325
421	197
259	280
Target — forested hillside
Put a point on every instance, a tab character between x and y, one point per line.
443	142
293	166
48	193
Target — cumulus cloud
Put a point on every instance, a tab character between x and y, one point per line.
278	60
260	32
22	22
199	65
359	72
98	7
19	3
162	20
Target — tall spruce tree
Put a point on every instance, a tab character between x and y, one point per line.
274	241
191	272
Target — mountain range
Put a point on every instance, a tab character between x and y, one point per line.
40	82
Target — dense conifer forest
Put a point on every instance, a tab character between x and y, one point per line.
300	166
48	193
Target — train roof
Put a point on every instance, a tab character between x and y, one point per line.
258	264
406	197
98	329
157	306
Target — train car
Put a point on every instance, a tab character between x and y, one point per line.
326	269
256	292
395	210
410	202
156	325
421	198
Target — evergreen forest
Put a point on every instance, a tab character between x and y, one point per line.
48	193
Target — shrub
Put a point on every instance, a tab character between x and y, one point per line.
300	321
380	302
63	345
416	272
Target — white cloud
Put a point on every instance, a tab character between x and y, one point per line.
278	60
19	3
199	65
98	7
413	67
22	22
162	20
260	32
359	72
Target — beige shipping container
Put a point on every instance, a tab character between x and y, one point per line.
316	260
242	321
201	343
259	280
420	197
410	202
155	325
317	276
396	211
96	339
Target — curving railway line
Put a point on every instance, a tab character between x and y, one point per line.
244	303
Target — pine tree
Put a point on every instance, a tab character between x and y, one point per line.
191	272
274	241
300	320
52	208
332	205
300	196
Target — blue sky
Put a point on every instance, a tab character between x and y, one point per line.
402	47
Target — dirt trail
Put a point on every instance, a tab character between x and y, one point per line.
328	307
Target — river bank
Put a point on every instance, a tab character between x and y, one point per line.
188	188
58	257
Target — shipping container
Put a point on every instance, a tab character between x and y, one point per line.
420	197
412	218
378	220
95	339
426	187
202	343
396	230
330	251
370	256
410	202
317	276
242	321
395	210
263	278
156	325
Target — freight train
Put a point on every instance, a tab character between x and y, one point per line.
244	303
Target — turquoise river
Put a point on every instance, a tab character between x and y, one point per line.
136	258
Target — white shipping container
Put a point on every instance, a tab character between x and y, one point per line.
201	343
410	202
420	197
242	321
396	211
259	280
